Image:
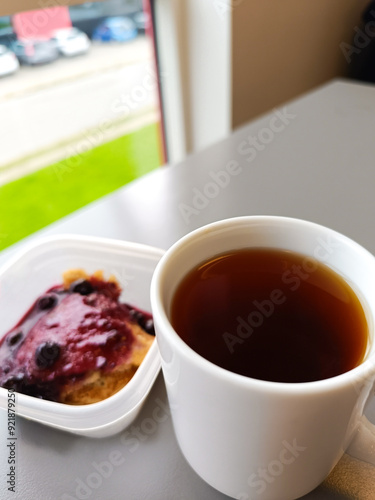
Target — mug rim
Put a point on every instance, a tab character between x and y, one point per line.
358	373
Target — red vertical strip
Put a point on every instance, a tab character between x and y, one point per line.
150	32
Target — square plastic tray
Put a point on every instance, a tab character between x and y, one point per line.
40	265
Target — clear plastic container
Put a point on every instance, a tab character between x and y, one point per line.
38	267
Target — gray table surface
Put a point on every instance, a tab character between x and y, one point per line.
313	159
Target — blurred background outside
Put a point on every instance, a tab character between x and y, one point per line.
79	109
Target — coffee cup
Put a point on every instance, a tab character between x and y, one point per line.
253	438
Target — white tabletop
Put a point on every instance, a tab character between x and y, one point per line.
313	159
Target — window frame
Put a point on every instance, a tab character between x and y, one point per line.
193	50
194	46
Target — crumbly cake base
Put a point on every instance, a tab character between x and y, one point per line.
98	385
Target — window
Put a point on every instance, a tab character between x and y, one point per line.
79	109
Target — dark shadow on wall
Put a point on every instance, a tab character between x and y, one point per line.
360	54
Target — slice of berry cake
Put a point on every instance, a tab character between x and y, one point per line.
77	344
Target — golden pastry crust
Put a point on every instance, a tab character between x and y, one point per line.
98	385
75	274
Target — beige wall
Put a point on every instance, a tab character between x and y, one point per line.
282	48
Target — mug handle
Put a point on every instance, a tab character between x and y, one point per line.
362	445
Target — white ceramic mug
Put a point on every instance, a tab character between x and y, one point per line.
254	439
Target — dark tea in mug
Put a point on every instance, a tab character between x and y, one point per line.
272	315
